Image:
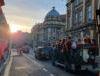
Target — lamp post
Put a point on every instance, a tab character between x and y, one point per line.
98	30
98	24
98	27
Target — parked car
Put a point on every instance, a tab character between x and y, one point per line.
25	49
43	53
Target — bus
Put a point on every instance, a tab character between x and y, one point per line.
4	36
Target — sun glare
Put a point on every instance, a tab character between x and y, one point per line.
13	28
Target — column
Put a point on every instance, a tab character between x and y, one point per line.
66	27
71	16
82	37
91	34
99	33
93	9
84	6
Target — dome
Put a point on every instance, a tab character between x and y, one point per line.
52	13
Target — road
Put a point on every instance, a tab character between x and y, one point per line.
25	66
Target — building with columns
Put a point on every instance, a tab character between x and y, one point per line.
51	30
81	18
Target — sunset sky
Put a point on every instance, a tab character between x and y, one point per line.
23	14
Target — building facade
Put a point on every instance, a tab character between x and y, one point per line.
52	29
81	18
37	34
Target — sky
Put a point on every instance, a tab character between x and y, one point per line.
23	14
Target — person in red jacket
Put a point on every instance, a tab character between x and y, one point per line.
1	52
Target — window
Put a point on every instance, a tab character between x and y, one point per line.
80	17
68	22
49	30
89	13
77	2
76	18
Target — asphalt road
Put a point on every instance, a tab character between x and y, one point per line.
26	66
58	71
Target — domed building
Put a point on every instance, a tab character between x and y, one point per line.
52	29
53	26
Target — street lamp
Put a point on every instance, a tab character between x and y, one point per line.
98	31
98	19
98	25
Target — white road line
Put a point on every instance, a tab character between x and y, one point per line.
7	70
20	68
33	61
52	74
45	69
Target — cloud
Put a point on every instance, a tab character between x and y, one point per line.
29	12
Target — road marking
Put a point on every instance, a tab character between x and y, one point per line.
52	74
7	70
33	61
45	69
20	68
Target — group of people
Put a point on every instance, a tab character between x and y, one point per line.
70	47
69	43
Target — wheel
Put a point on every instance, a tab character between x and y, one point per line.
53	63
77	68
36	57
67	67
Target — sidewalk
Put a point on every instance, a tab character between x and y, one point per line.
3	66
8	66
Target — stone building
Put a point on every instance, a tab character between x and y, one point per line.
37	34
52	28
81	18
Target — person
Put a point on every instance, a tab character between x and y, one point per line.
92	51
87	40
67	53
62	45
74	45
86	48
69	43
59	45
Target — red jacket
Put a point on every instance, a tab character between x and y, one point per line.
3	46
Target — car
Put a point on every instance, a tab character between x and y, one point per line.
14	52
25	50
43	53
